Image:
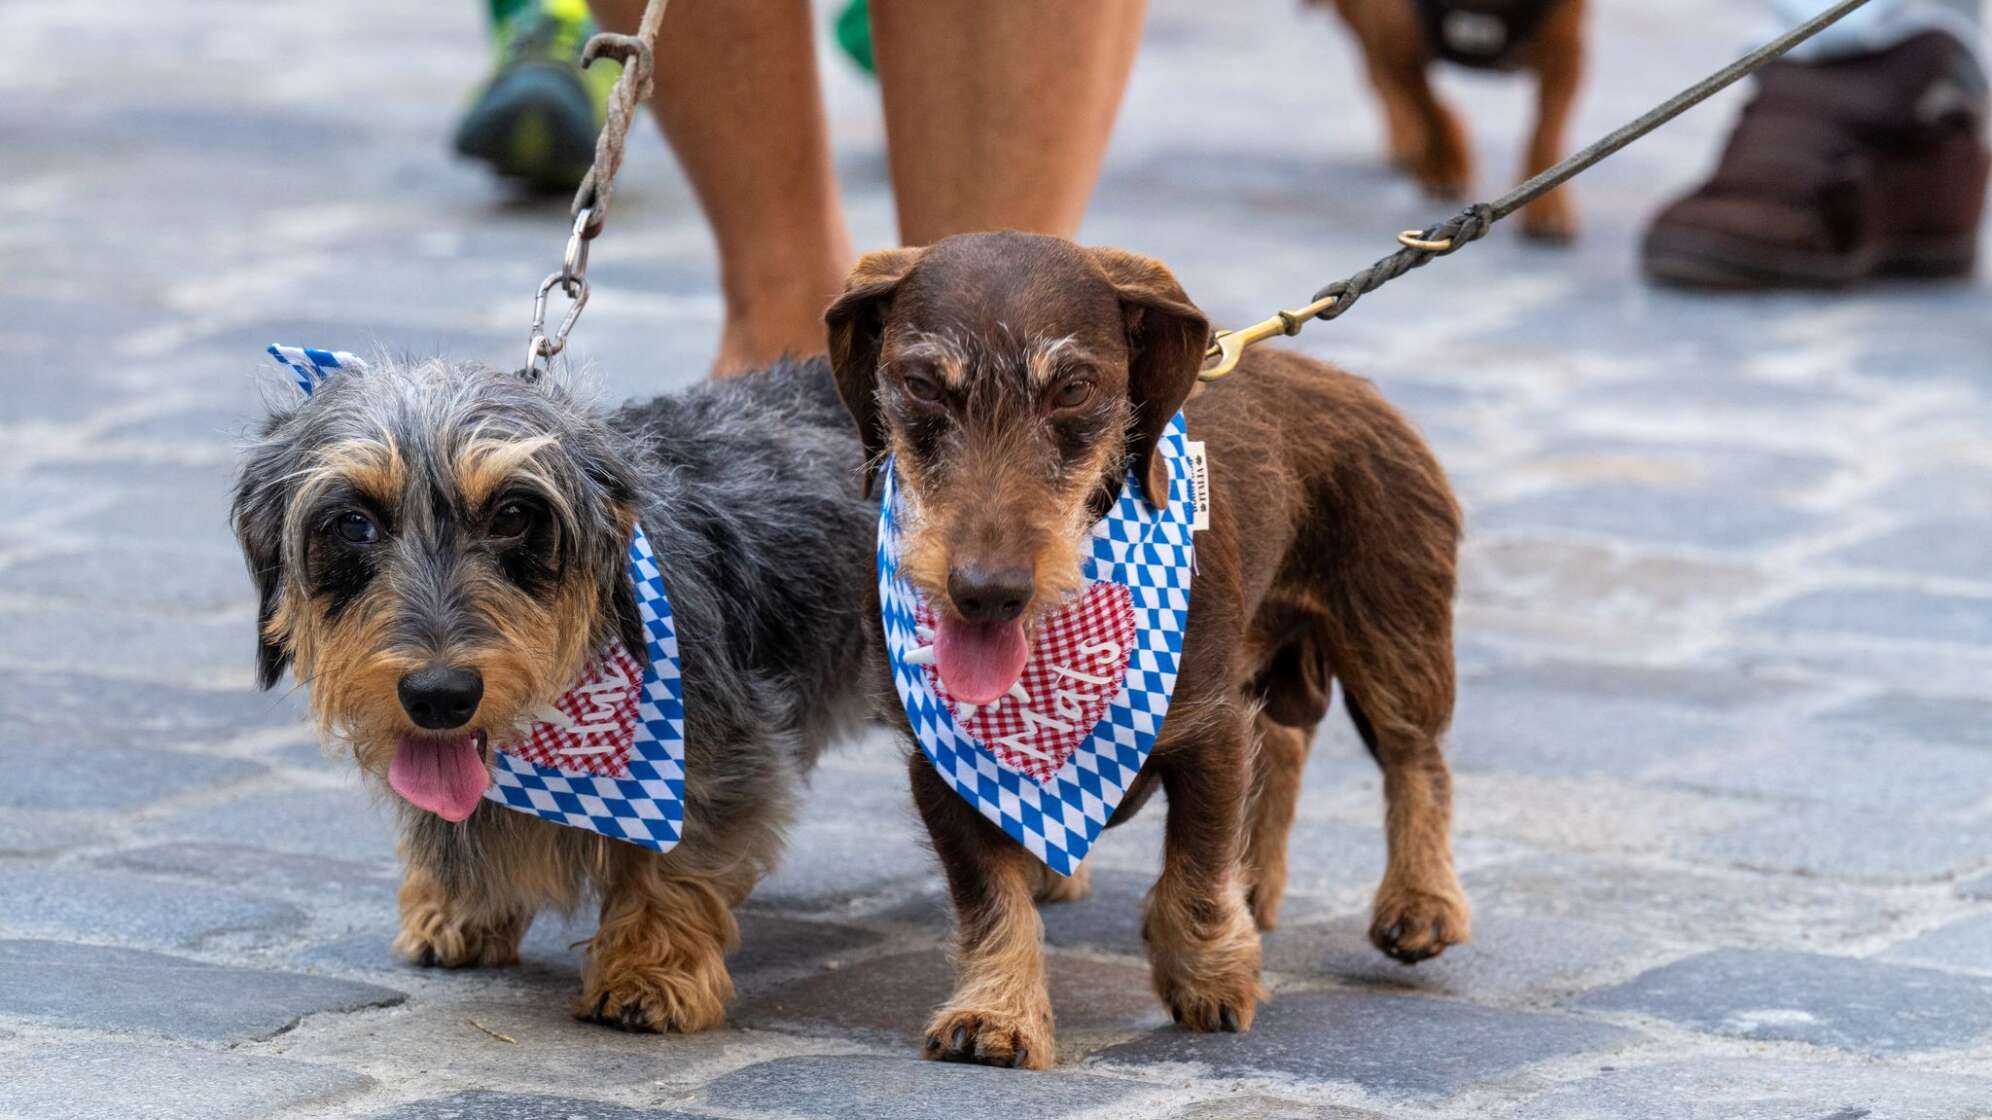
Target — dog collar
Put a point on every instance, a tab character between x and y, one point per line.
608	756
1050	762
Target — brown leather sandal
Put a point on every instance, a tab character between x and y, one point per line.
1836	172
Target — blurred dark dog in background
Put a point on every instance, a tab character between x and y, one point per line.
1402	38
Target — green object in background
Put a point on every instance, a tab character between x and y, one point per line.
536	117
854	34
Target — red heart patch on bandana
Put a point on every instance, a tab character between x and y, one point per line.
1078	664
592	727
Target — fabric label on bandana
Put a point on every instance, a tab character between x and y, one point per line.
608	756
1051	761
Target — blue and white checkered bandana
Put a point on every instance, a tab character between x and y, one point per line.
608	755
311	367
1027	761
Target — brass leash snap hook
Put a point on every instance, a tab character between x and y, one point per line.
1229	347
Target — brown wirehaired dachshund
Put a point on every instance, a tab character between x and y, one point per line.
1402	38
1016	379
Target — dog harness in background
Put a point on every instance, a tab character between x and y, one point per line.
608	755
1050	762
1481	33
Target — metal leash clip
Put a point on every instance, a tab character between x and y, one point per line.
572	280
1229	347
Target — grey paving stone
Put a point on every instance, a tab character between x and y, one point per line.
58	709
1965	944
143	1081
76	776
1837	764
1905	717
1710	519
880	1088
127	991
134	909
1680	906
261	869
1762	1088
1518	726
481	1105
177	577
1522	573
892	997
1953	547
25	832
1681	465
1509	956
1882	613
194	518
1248	1106
1941	491
347	824
83	639
1877	844
1858	1005
854	835
1383	1043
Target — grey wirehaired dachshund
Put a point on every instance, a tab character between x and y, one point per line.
439	547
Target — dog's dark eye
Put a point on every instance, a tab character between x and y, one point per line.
924	388
355	527
512	520
1073	393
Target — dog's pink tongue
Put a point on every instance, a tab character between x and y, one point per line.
979	661
444	776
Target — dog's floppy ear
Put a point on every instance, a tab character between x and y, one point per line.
261	496
1166	337
614	479
857	327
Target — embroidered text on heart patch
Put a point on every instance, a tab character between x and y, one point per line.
1078	664
590	729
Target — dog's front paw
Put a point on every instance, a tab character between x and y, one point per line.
1209	978
655	998
1413	924
435	935
1224	998
1551	218
1020	1040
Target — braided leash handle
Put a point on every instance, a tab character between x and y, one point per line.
637	55
1332	300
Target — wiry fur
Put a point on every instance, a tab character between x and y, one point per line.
1329	556
748	494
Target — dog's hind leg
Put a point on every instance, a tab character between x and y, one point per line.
1420	907
1203	948
1000	1012
658	961
1277	765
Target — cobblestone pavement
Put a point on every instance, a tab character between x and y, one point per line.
1724	748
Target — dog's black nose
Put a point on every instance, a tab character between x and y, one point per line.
440	699
989	595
